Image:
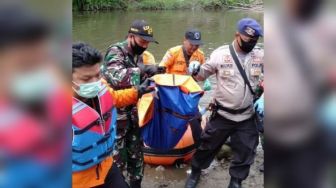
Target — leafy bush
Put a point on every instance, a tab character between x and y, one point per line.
83	5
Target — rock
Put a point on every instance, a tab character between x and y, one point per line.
188	171
160	168
215	163
224	153
164	184
205	172
182	165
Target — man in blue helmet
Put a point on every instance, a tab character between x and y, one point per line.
238	68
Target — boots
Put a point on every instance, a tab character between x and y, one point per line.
235	183
193	179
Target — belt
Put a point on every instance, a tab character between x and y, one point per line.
231	111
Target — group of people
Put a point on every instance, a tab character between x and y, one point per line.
106	140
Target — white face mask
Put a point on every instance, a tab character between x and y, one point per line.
89	90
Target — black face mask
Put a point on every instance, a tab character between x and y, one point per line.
247	46
137	50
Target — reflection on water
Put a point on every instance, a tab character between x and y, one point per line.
104	28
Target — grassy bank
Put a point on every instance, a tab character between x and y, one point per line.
82	5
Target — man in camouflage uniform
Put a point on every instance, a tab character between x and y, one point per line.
123	68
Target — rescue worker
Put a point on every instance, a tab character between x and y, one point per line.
93	120
177	59
123	67
233	113
148	58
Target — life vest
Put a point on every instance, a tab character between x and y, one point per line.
148	58
32	150
175	61
93	135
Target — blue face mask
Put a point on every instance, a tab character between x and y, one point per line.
89	90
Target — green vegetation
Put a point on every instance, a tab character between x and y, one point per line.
82	5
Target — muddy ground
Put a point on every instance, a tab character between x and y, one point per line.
216	176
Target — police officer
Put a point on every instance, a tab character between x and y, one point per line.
123	67
233	112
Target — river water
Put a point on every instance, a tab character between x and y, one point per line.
104	28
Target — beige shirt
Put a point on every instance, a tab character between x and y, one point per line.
231	91
291	114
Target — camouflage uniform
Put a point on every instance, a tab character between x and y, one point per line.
121	71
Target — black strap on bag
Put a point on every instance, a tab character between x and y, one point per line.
196	128
240	68
171	112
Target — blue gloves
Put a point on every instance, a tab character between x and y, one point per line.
259	106
194	68
207	85
328	113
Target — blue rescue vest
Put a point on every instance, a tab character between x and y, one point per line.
93	135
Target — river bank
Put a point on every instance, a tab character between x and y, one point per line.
217	175
100	5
